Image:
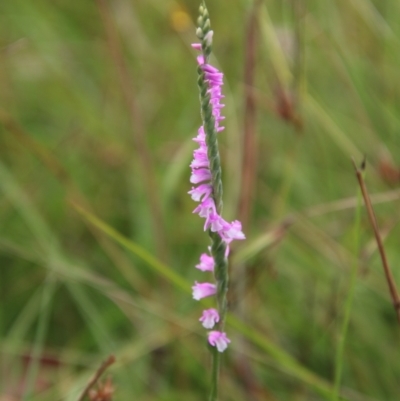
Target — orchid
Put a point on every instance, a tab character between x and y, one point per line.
209	318
206	176
207	191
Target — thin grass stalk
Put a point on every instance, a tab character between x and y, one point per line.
372	218
40	336
348	303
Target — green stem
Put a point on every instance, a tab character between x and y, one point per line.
348	304
221	275
216	358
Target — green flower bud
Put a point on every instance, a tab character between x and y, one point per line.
199	33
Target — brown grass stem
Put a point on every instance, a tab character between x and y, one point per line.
372	218
102	368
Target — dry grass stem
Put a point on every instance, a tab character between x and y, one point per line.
372	218
103	367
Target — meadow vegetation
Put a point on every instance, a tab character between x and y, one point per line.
98	108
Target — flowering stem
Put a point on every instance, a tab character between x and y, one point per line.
206	171
218	247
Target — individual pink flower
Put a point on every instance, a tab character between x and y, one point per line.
218	339
207	67
202	290
206	263
209	318
200	175
232	231
214	221
201	136
200	153
199	162
200	61
206	208
201	193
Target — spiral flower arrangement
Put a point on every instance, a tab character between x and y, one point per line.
206	176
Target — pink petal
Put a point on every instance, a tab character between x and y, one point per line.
209	318
218	339
206	263
202	290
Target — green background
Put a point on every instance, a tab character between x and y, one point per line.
98	105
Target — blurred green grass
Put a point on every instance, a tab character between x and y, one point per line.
98	107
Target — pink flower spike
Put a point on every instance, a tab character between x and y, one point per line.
209	318
206	263
202	290
196	46
218	339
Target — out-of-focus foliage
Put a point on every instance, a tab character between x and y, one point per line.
98	105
